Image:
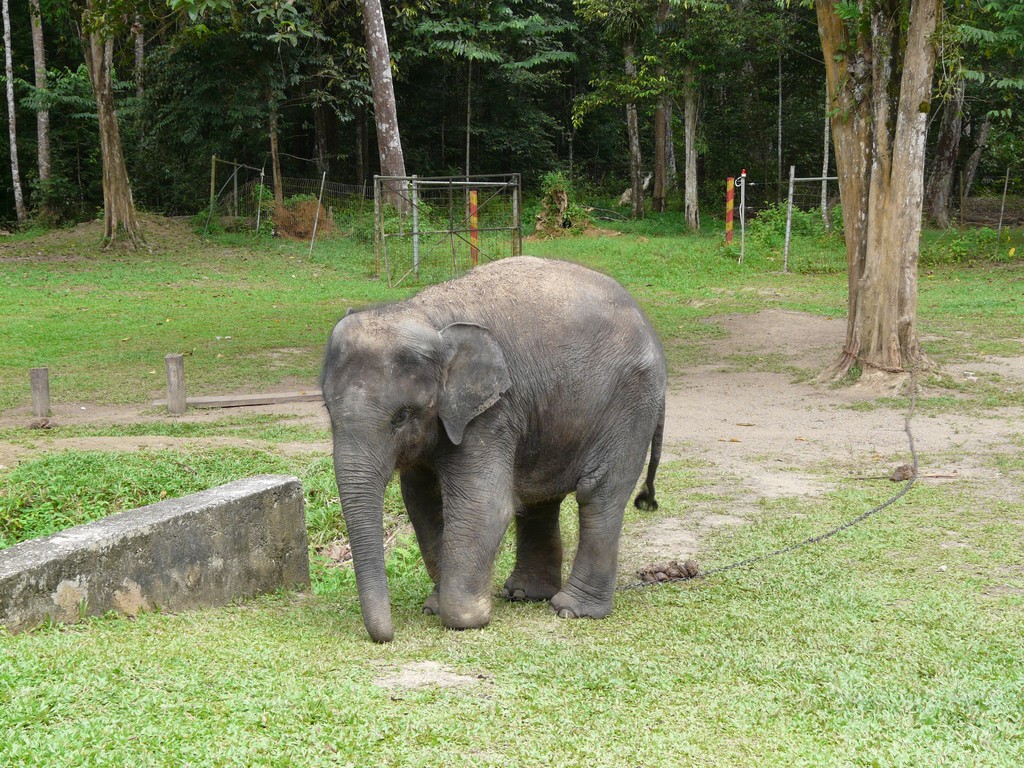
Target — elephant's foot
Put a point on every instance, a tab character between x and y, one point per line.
568	606
432	605
463	611
524	587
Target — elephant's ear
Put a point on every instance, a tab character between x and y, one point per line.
476	375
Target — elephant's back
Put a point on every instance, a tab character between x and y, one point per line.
523	290
560	325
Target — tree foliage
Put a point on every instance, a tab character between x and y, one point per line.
543	80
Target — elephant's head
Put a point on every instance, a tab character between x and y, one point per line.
398	390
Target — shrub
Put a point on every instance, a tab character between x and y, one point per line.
769	226
971	245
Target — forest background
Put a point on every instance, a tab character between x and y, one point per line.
528	86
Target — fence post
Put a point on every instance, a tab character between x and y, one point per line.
517	224
730	193
40	380
378	234
213	180
743	213
259	200
1002	208
789	219
234	198
474	232
414	195
176	403
316	218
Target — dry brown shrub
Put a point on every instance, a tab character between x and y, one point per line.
297	221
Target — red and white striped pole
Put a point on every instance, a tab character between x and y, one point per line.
730	192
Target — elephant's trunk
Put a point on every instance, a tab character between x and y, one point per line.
361	489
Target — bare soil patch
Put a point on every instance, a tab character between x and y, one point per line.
764	434
424	674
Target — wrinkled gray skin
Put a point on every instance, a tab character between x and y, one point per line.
495	396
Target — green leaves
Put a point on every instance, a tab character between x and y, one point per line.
511	34
287	20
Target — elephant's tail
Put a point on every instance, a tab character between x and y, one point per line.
645	499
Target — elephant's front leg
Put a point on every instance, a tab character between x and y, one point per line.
422	497
478	506
538	571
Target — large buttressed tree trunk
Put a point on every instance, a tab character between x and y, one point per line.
385	113
119	220
879	73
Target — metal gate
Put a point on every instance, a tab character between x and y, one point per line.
434	229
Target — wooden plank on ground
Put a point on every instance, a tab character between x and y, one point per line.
236	401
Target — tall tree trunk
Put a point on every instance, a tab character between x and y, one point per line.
826	214
321	138
880	83
275	153
660	125
361	148
385	113
19	200
660	153
690	203
43	115
120	222
971	167
633	131
778	147
938	193
469	109
139	32
670	151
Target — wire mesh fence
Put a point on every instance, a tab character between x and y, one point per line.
247	193
815	195
433	229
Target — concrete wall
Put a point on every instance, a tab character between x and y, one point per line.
203	550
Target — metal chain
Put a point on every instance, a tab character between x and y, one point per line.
820	537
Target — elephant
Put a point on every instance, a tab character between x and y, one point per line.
494	396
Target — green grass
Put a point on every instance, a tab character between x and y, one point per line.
269	427
251	315
896	643
878	648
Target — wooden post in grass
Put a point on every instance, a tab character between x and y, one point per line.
176	404
730	197
789	219
213	180
474	232
40	379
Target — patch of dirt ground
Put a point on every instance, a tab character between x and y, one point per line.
762	435
758	433
424	674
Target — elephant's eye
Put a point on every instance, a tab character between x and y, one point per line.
402	416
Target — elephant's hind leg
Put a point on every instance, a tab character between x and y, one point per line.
538	571
588	592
